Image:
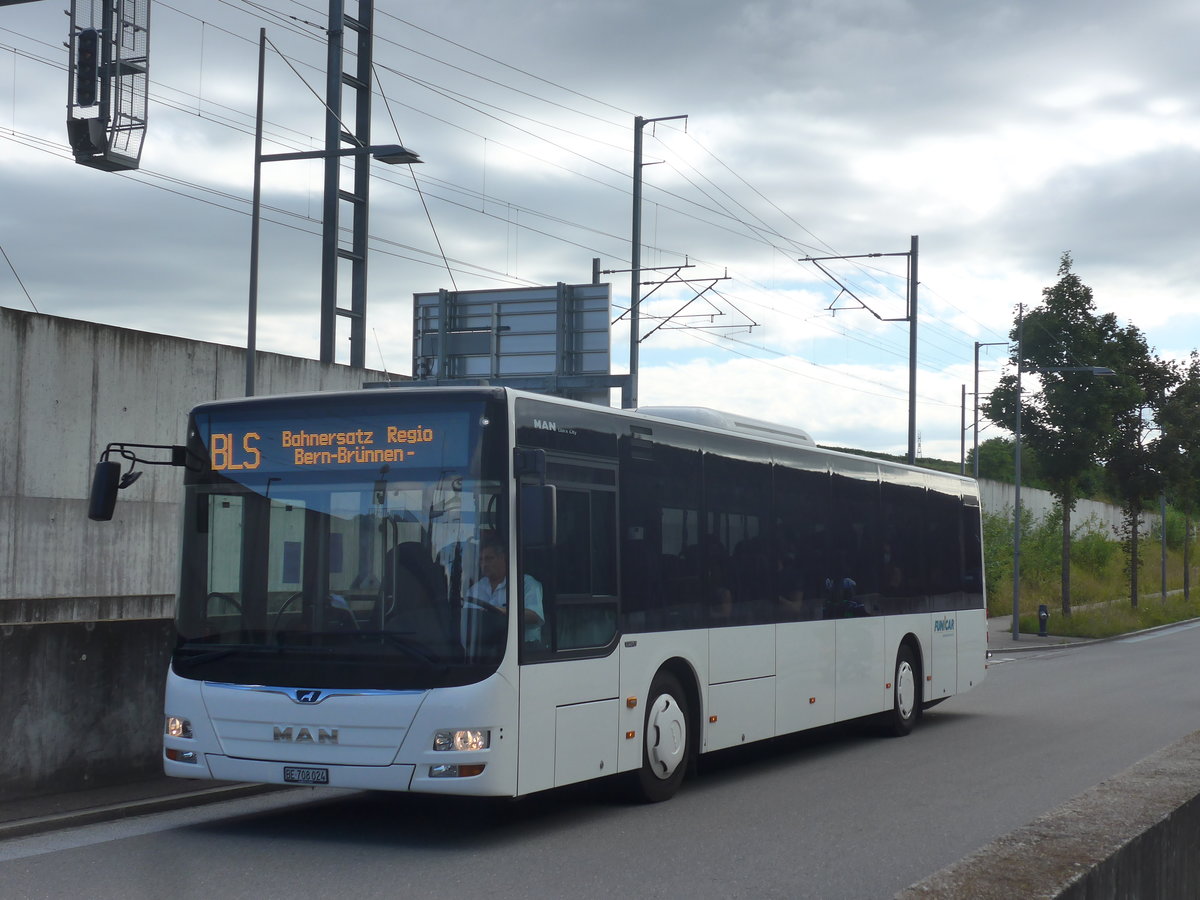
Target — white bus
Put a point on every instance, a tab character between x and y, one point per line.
682	587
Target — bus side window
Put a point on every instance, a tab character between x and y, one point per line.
586	609
579	574
802	505
536	561
736	543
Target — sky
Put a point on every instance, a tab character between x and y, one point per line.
1001	134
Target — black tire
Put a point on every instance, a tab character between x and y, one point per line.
666	741
906	693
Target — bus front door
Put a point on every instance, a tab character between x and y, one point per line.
568	730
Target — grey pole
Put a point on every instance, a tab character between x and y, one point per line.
329	217
255	220
975	423
912	352
962	435
635	264
635	257
1162	527
1016	611
975	427
363	27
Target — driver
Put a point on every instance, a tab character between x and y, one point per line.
491	591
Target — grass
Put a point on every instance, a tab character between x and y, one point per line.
1102	620
1100	604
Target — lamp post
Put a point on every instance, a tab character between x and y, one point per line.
1092	370
975	426
391	154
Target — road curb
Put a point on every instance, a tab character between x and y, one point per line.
1067	643
131	808
1041	648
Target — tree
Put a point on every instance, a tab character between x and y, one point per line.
996	462
1180	423
1067	421
1140	454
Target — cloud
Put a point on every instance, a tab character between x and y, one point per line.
1002	135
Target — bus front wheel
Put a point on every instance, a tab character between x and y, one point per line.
666	742
906	693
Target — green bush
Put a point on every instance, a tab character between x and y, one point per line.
1091	549
1176	528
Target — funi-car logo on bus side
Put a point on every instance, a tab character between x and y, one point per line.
944	625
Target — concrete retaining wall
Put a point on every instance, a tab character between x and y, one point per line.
86	607
998	498
67	389
1134	836
82	703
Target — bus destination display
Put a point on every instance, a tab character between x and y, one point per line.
246	446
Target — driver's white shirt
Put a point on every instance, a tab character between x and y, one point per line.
497	596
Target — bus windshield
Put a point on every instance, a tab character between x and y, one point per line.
333	546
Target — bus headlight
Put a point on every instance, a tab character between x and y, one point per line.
178	728
463	739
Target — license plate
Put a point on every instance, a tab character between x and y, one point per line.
300	775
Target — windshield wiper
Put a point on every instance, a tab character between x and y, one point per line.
188	662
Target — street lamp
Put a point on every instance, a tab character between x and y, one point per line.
1093	370
391	154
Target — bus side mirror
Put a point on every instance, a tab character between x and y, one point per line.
539	518
103	498
108	478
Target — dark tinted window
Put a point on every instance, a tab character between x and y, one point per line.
578	575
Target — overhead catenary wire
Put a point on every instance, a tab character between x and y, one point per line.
17	276
417	186
741	220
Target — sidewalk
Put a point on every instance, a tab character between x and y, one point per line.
35	815
1000	638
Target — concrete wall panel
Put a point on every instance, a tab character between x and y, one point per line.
8	564
75	387
91	713
55	409
998	498
11	341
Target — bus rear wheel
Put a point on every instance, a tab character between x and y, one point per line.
906	693
666	742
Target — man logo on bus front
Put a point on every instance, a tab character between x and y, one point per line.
308	696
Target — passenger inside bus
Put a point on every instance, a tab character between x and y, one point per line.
789	601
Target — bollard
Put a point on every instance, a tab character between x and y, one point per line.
1043	619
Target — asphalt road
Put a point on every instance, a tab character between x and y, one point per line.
837	814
